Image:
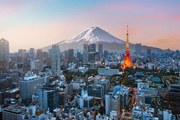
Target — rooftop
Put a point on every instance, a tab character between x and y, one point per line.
15	109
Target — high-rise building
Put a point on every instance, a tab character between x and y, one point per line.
127	59
105	83
4	50
123	93
32	53
92	48
100	50
54	53
39	56
32	57
92	53
30	84
85	53
112	103
70	55
88	102
4	54
106	54
48	98
21	52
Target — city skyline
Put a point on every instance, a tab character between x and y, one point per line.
27	24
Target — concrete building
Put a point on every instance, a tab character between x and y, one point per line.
92	48
88	102
77	83
32	53
167	115
48	99
21	52
14	113
105	83
54	53
4	50
92	53
4	54
71	55
85	53
113	115
123	93
96	90
30	84
108	72
100	51
39	56
112	103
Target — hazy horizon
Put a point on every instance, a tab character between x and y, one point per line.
36	24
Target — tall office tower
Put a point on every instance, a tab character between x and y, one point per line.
106	54
48	98
107	104
4	50
54	53
32	53
39	56
79	58
21	53
70	55
100	51
32	58
92	54
4	54
30	84
85	53
92	48
112	103
127	59
47	61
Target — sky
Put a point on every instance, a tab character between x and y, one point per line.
39	23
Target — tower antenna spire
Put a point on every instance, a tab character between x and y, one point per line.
127	29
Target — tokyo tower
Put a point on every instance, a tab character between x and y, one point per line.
127	59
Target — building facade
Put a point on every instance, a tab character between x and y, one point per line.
55	59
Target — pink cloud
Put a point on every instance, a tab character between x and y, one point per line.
176	17
8	7
162	17
115	7
12	7
43	34
165	43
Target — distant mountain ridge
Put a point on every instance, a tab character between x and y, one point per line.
94	35
98	36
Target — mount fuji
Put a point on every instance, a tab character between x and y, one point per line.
93	35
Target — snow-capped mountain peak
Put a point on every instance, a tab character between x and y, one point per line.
94	35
